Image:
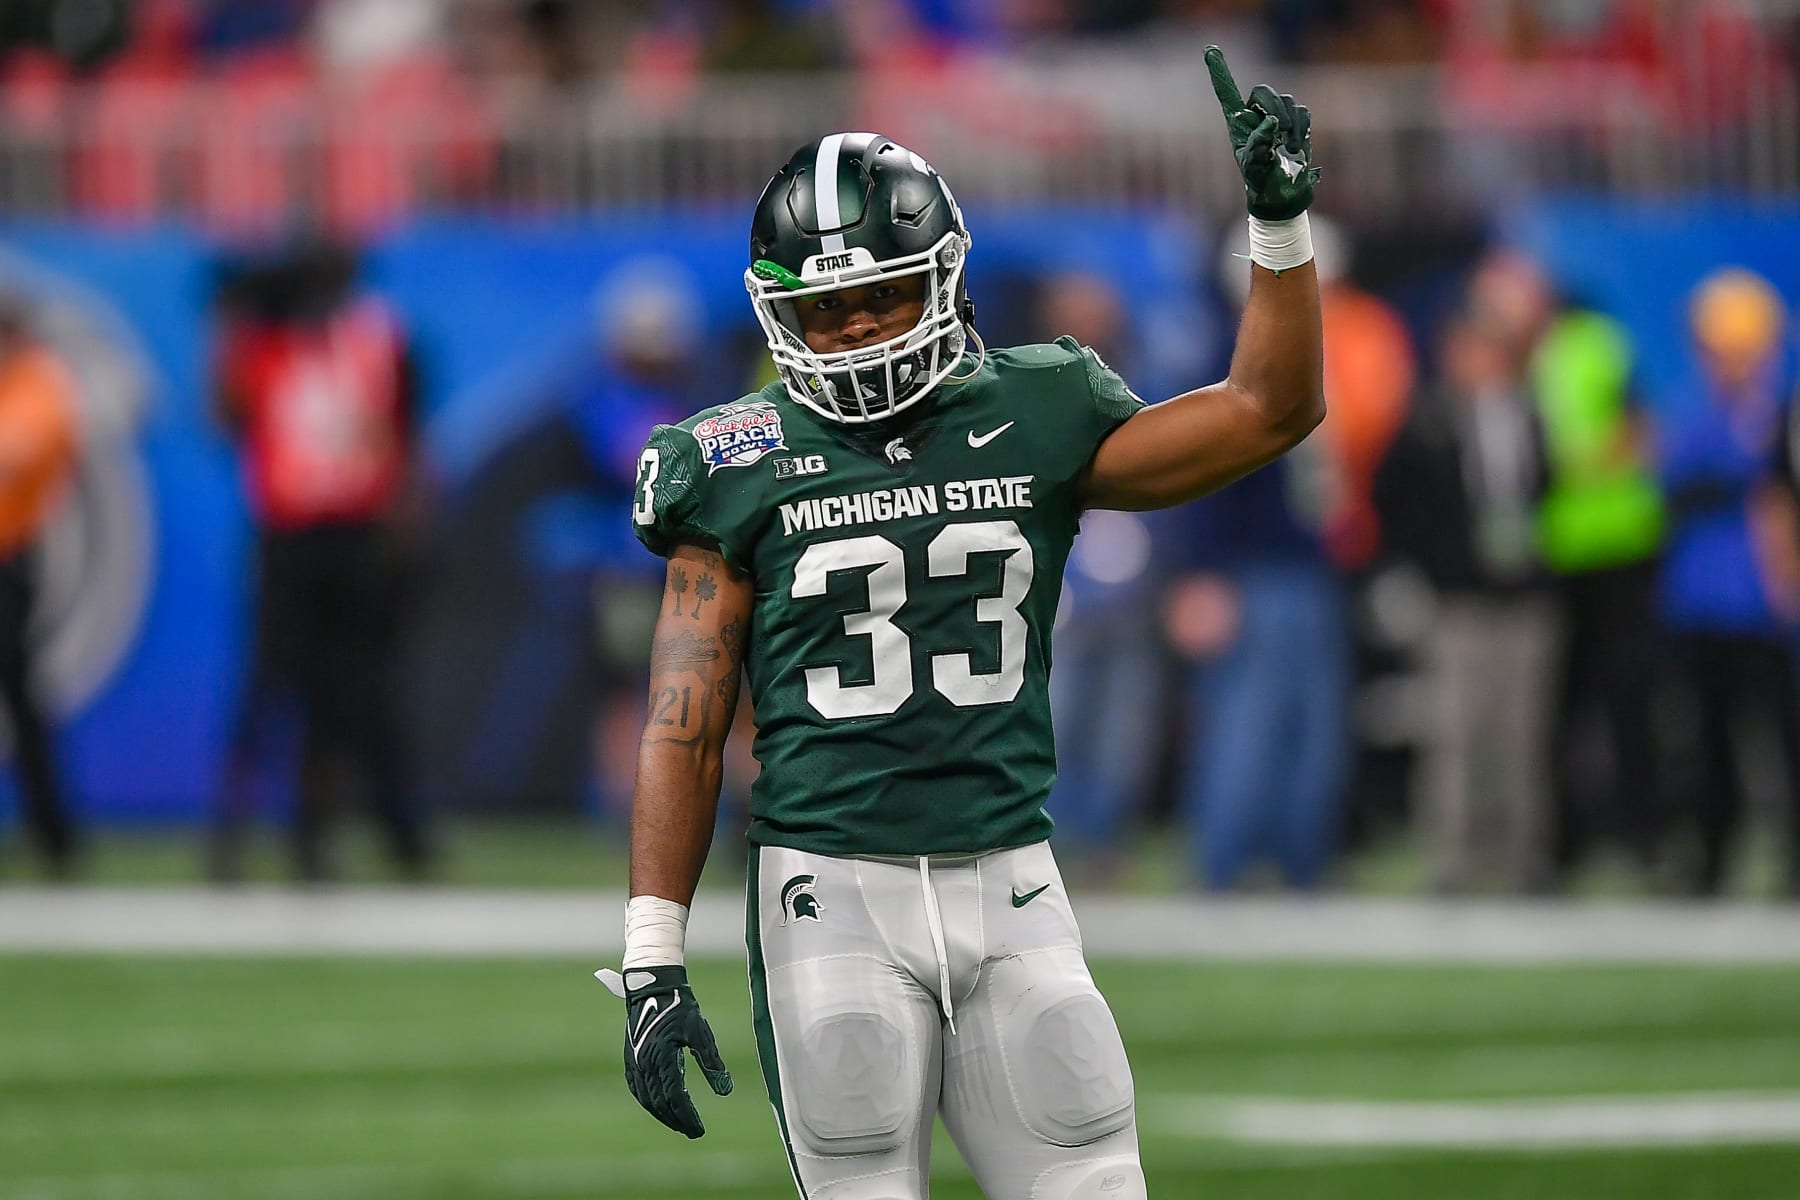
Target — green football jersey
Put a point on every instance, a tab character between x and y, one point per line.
907	574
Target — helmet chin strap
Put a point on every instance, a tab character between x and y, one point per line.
980	357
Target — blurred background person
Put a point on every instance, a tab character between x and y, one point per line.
1370	374
1730	585
317	385
1600	529
650	370
1260	615
1272	688
1109	689
1459	494
38	446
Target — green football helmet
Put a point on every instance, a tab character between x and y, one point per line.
849	210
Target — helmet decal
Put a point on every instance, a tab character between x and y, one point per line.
828	215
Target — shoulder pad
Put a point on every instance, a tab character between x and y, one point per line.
1064	351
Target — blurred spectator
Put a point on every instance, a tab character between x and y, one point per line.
239	26
1107	693
1600	531
1263	619
1384	31
1458	494
405	130
317	385
765	35
1730	587
647	372
761	36
245	179
360	36
1370	372
140	107
37	460
82	34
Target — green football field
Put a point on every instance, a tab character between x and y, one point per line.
350	1079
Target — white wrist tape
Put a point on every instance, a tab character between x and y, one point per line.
1279	245
655	933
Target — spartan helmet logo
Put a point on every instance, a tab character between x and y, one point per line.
897	452
797	900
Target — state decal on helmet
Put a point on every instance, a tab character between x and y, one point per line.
850	210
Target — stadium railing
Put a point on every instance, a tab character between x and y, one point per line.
1421	142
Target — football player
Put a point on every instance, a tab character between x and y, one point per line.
877	542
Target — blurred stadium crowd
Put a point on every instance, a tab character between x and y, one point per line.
1532	595
254	113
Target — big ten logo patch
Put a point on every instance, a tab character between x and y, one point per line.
739	434
805	464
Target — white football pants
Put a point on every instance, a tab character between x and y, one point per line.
886	991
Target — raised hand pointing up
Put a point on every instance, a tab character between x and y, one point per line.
1271	137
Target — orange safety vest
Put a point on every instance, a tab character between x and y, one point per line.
37	443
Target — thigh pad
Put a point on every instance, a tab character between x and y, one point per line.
1066	1057
856	1092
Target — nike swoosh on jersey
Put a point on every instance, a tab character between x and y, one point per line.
978	442
1021	901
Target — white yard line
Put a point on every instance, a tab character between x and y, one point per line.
462	922
1574	1122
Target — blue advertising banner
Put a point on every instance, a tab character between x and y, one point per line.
531	431
514	325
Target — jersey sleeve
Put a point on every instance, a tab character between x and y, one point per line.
1110	401
669	504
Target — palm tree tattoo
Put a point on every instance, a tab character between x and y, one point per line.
704	589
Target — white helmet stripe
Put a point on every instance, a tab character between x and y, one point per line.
825	192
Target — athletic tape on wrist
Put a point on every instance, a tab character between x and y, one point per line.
655	933
1279	245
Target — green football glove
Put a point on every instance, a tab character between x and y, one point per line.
1272	139
662	1019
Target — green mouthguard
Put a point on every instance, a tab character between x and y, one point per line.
762	268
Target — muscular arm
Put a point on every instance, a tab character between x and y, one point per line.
1274	396
695	665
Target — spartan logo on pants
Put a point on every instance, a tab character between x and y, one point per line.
797	900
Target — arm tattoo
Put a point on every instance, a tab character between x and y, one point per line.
733	638
704	589
685	649
684	711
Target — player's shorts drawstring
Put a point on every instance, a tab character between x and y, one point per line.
934	922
